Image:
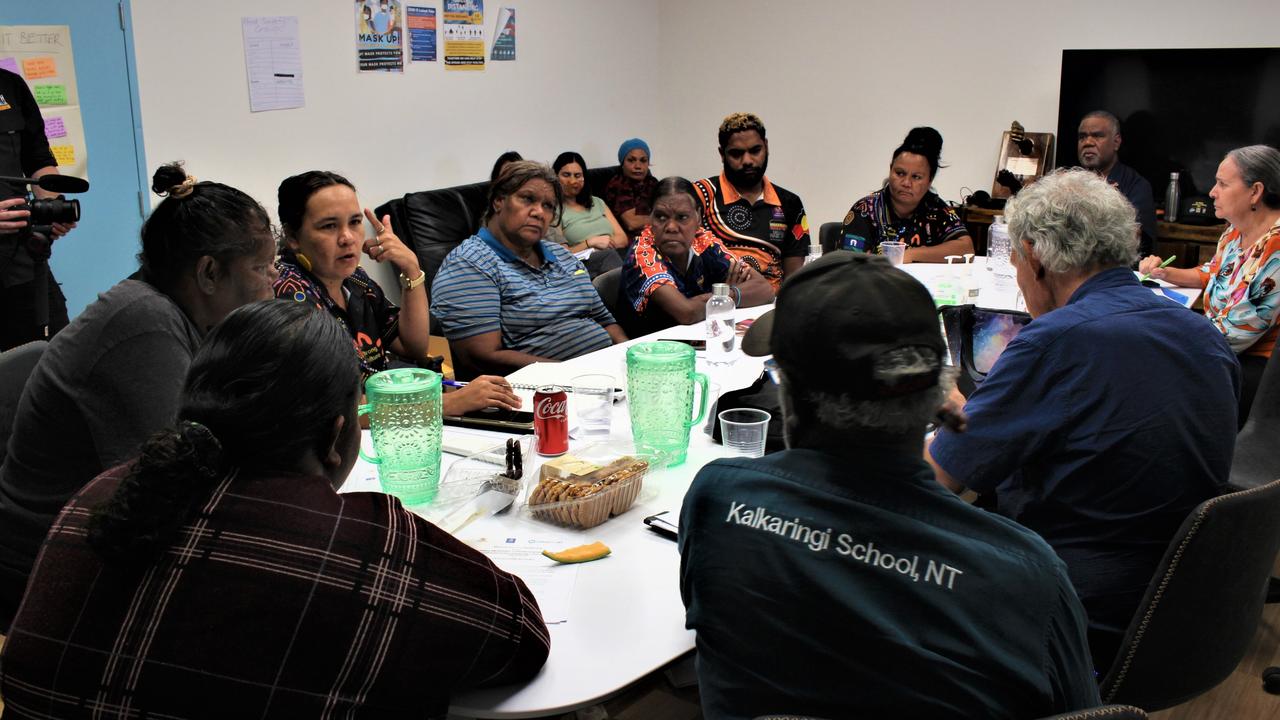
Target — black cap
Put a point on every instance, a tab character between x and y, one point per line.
837	316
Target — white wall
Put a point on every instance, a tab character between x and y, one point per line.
839	83
389	133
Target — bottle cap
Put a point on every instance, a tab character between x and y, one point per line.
720	289
1173	176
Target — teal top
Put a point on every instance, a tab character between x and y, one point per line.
577	226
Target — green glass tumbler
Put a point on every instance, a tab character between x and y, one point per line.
660	380
405	421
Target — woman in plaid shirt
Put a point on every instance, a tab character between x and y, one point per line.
220	574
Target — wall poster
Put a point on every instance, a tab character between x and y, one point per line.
464	34
378	36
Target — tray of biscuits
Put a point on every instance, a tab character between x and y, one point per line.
585	489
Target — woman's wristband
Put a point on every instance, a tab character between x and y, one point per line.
737	295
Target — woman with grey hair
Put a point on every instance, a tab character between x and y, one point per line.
506	297
1241	296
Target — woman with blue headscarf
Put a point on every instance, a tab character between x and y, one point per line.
629	194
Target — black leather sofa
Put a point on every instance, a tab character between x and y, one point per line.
434	222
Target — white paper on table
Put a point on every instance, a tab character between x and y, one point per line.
563	373
551	582
273	61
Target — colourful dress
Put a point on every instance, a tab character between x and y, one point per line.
872	221
646	269
1240	293
372	321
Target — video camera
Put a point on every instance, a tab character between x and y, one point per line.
46	211
38	234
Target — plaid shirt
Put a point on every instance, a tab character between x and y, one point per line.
622	193
278	597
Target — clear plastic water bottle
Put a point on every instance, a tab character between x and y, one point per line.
720	331
998	261
1171	199
815	252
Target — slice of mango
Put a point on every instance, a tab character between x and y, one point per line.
579	554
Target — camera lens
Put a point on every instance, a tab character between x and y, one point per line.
54	210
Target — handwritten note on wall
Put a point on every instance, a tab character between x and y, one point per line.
54	127
39	67
273	61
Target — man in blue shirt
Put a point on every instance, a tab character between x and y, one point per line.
836	578
1110	416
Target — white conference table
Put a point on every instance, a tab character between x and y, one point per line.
989	296
626	618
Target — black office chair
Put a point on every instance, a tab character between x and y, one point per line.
1203	605
829	236
607	285
1103	712
1256	461
16	365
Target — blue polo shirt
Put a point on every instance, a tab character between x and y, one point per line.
552	311
1101	426
837	588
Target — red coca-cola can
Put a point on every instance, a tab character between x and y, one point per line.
551	420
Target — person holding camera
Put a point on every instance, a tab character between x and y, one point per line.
24	151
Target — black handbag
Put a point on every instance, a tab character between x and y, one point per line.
761	395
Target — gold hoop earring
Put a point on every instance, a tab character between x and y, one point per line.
303	261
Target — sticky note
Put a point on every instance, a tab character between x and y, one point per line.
50	94
39	67
10	64
64	154
54	128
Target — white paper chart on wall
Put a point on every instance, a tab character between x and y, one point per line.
42	55
273	61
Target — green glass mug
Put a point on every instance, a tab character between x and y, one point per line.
660	380
405	421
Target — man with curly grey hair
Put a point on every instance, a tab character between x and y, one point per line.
836	578
1084	428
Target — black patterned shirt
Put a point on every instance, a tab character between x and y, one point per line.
872	221
372	321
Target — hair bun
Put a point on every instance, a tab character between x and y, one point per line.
201	449
924	141
168	176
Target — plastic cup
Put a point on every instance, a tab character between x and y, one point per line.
593	403
894	250
744	431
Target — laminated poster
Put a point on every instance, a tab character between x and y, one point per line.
464	34
378	36
504	35
42	55
422	33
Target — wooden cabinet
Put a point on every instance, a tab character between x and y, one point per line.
1193	244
